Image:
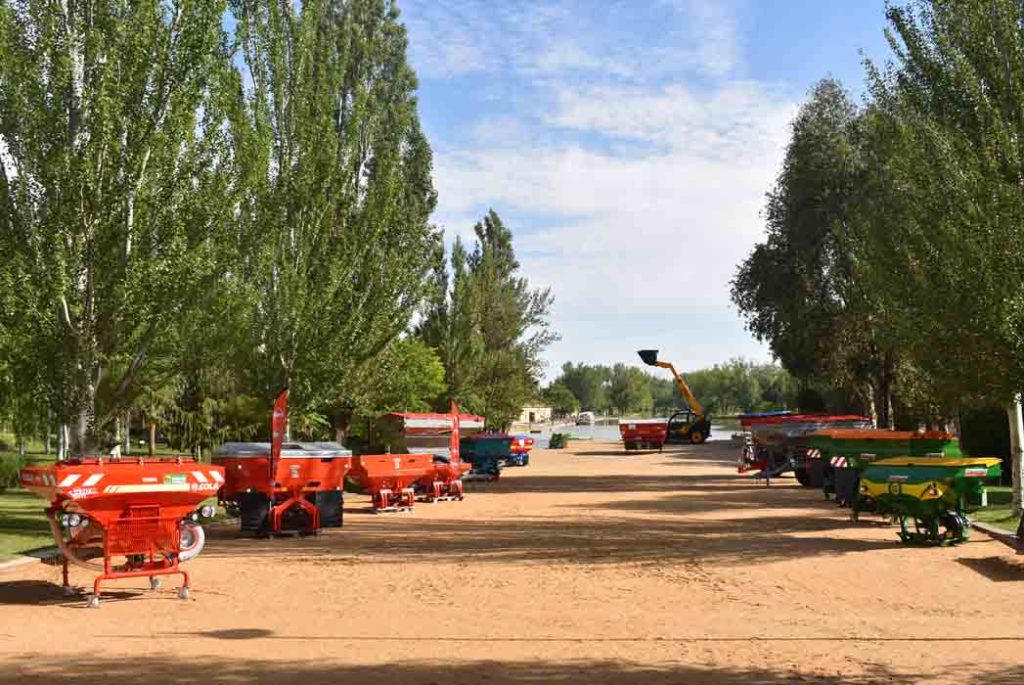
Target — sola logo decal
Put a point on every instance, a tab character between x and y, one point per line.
82	492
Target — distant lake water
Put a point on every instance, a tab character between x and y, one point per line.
721	429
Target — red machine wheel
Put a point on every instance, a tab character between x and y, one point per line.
696	437
193	539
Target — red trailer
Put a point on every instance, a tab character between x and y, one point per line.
644	434
418	432
143	510
307	489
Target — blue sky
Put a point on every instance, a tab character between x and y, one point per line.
629	145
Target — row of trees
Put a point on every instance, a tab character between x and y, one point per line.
202	202
731	388
893	267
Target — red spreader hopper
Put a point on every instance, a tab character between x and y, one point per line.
304	495
280	488
141	512
644	434
445	484
389	478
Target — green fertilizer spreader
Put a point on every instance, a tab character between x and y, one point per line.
844	453
927	493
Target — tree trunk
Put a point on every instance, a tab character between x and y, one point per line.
885	418
62	441
152	438
126	447
872	407
1016	450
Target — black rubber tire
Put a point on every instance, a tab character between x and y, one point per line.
253	512
329	504
802	476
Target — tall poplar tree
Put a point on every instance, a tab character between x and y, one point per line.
334	222
111	158
489	325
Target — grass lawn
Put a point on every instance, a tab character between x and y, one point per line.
999	510
22	524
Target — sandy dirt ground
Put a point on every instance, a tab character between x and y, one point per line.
588	566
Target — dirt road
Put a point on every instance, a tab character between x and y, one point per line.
589	566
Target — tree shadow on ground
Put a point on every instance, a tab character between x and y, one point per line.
595	540
18	524
616	483
195	669
1004	569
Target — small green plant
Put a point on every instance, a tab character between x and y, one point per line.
558	441
10	464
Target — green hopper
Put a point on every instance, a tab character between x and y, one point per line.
927	493
844	453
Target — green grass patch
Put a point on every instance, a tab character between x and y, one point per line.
999	511
23	525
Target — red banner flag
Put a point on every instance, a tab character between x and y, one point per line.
278	426
453	442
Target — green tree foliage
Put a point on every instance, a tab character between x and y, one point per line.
944	219
740	386
337	192
561	400
800	290
730	388
191	217
113	188
630	390
589	384
488	325
409	376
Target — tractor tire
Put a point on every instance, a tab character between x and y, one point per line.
803	476
254	513
697	437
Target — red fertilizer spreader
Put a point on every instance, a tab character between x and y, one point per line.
390	478
644	434
306	492
142	511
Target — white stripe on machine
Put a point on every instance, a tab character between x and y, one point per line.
160	487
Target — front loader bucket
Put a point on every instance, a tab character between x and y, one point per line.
650	357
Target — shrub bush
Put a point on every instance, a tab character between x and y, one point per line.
10	464
558	441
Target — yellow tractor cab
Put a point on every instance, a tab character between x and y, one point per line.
685	426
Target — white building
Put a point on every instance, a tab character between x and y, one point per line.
535	415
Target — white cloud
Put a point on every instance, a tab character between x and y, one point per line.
647	241
632	191
540	37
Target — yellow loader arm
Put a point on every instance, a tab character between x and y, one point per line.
650	357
